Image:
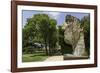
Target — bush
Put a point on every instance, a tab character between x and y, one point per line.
28	50
85	24
66	49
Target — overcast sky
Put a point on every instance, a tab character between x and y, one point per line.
59	16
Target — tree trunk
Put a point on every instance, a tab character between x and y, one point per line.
46	49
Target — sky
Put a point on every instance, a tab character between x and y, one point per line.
59	16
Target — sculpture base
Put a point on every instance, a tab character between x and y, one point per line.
73	57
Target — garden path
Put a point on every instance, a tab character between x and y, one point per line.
55	58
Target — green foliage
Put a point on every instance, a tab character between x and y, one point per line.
61	35
52	36
65	48
29	32
85	24
40	29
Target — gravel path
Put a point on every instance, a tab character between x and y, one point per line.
55	58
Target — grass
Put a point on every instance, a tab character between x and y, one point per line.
34	57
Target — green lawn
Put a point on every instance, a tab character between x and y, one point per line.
34	57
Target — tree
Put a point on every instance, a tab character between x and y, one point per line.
42	29
61	38
85	24
52	36
47	28
28	33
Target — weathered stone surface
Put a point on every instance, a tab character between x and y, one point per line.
74	36
80	47
72	31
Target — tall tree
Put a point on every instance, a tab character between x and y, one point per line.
61	38
85	24
28	33
52	36
42	29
